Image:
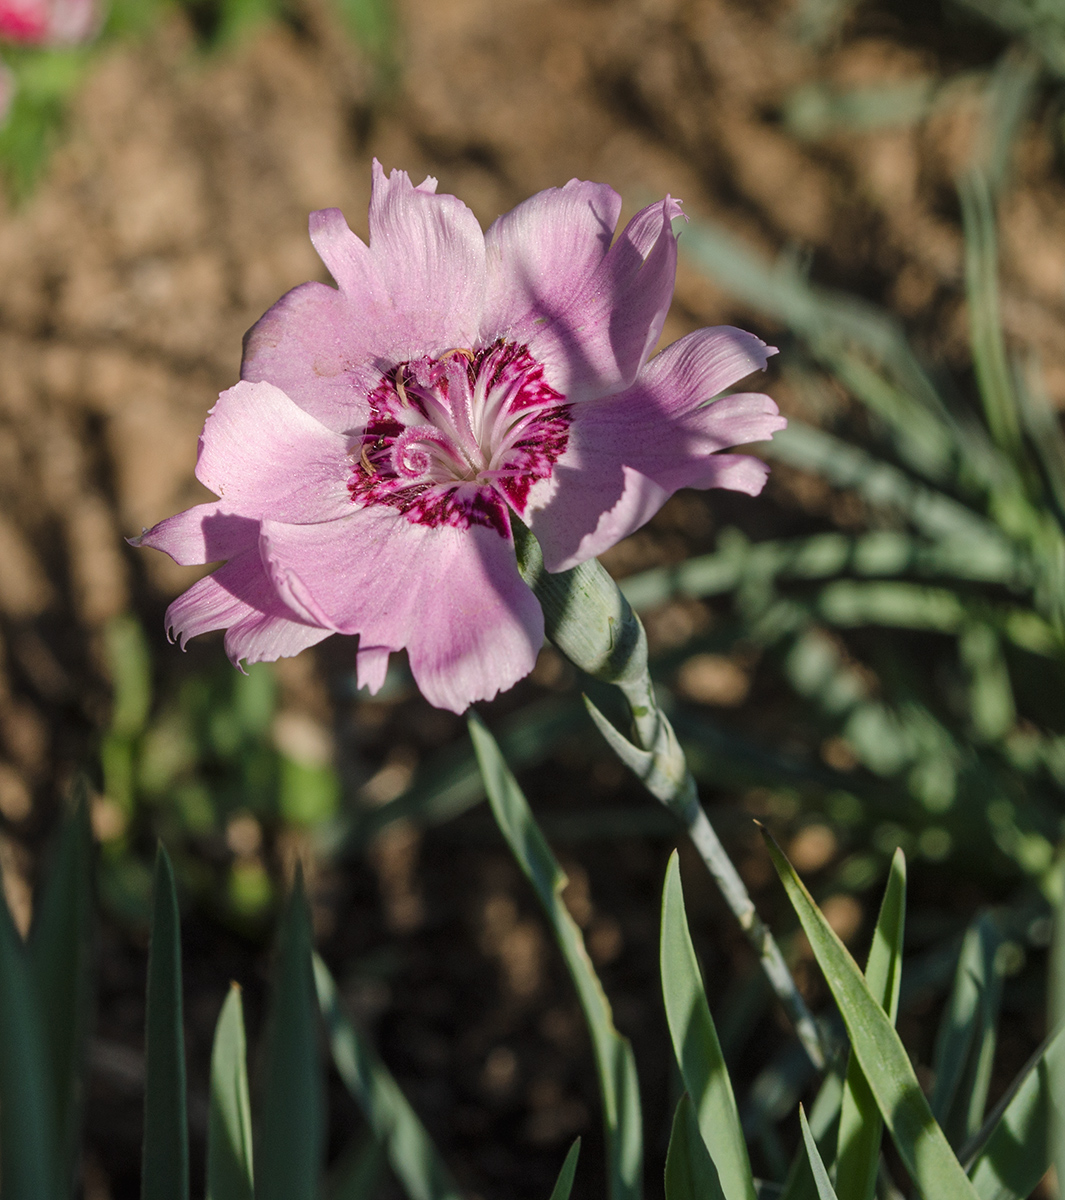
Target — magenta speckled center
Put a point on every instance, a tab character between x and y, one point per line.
452	440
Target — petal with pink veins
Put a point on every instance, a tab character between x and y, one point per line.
263	454
204	534
429	253
453	597
239	598
417	289
594	326
320	347
542	252
628	454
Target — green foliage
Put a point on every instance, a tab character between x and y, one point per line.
697	1049
860	1126
411	1153
230	1169
165	1167
27	1105
825	1190
690	1171
615	1064
292	1128
564	1183
184	763
919	1139
60	961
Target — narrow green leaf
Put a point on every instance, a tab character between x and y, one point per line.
824	1125
696	1046
292	1132
230	1173
985	324
613	1054
860	1126
1017	1152
825	1190
564	1183
690	1171
411	1153
27	1129
60	951
165	1166
883	1058
965	1043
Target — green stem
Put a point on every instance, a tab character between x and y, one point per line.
592	624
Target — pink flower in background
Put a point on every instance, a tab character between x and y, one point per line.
48	22
368	464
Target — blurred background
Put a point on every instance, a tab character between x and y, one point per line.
870	655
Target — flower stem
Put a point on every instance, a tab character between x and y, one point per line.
591	622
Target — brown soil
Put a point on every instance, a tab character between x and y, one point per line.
175	213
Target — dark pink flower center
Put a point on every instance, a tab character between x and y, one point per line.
453	440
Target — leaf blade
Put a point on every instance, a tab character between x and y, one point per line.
860	1124
690	1171
920	1141
696	1045
615	1063
165	1164
60	960
564	1183
292	1134
230	1168
411	1153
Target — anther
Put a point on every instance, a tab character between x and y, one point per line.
401	390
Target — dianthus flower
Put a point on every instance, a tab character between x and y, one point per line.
384	432
48	22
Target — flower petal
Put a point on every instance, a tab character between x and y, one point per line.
417	289
204	534
262	453
591	327
628	454
429	253
453	597
542	252
239	598
319	346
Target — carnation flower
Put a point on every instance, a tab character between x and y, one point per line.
385	433
48	22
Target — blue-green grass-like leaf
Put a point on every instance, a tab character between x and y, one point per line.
993	375
165	1165
564	1182
292	1129
60	959
27	1121
411	1154
230	1170
921	1143
615	1063
1017	1151
825	1190
690	1171
965	1043
696	1046
860	1124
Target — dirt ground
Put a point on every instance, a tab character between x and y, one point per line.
175	213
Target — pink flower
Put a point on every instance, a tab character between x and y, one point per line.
368	464
48	22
